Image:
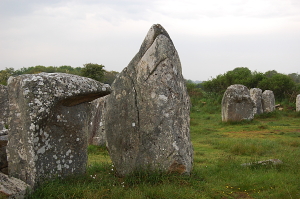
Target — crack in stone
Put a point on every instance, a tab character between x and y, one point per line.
137	109
136	103
155	67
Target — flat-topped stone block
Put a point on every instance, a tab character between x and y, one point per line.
237	104
48	126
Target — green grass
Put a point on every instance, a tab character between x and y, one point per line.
219	150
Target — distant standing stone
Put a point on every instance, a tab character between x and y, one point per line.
268	101
237	104
97	135
256	95
298	103
147	118
264	162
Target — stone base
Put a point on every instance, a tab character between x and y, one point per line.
13	187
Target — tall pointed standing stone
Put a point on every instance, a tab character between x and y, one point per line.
147	115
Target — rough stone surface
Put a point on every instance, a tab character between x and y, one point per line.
256	95
3	107
48	126
13	187
268	101
3	156
147	118
237	104
97	134
3	140
298	103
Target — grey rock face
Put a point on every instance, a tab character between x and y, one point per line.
237	104
147	118
268	101
4	111
256	95
3	107
97	135
48	127
3	156
13	187
298	103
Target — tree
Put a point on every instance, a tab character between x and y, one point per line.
69	69
240	75
295	77
271	73
282	85
5	74
110	76
256	77
94	71
192	89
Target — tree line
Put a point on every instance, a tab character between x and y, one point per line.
285	87
91	70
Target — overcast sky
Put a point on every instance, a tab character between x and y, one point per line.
211	36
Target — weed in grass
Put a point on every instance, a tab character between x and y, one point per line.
263	127
291	134
3	196
145	177
295	114
243	122
206	131
199	153
273	123
193	122
291	143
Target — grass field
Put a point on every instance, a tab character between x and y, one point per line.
219	150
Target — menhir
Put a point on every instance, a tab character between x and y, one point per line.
147	116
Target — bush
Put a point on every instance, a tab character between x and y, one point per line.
282	85
93	71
